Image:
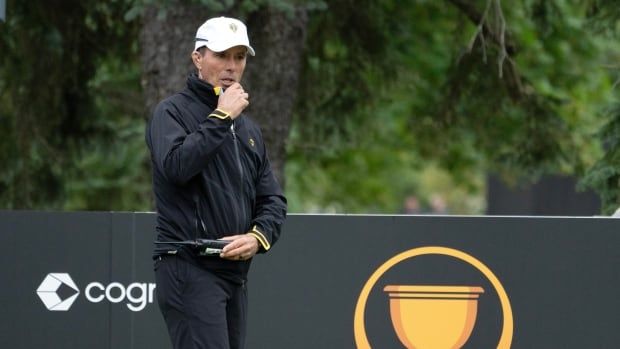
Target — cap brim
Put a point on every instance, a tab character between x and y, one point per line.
216	48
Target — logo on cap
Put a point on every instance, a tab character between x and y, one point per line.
233	27
54	288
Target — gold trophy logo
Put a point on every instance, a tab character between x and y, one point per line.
433	317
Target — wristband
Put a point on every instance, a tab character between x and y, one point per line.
262	240
220	114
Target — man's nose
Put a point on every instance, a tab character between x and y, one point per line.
231	64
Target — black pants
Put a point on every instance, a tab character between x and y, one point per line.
201	309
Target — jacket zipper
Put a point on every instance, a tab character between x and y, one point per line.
234	134
236	141
198	219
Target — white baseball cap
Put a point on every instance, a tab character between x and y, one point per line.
221	33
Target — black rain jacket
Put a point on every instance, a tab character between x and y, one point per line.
211	177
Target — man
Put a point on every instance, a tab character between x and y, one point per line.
212	180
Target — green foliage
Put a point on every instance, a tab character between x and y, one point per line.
50	52
437	90
396	99
604	176
111	170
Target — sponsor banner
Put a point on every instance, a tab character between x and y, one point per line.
85	280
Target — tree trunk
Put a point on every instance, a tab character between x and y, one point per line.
270	78
167	42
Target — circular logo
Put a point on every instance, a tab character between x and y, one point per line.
408	304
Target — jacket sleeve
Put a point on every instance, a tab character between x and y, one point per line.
270	211
177	153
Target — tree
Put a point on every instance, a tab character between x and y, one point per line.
50	53
604	175
381	98
473	87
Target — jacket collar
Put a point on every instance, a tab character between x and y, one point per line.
203	90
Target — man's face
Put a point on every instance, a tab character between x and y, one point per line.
222	68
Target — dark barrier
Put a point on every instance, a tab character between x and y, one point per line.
84	280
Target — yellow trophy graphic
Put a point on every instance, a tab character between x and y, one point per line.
433	317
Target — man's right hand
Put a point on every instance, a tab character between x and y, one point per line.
233	101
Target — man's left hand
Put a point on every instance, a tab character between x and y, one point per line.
242	247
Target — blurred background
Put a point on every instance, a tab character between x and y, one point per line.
368	106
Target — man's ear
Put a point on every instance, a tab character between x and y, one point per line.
197	59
